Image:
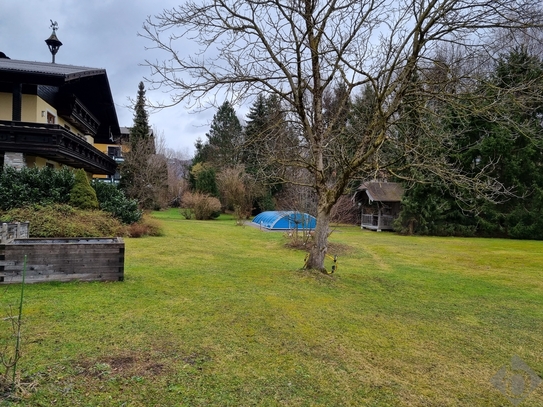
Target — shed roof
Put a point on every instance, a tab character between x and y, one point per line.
382	191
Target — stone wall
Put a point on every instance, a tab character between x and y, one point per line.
11	231
16	160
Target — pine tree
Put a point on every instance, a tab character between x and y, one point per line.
140	129
224	138
267	141
144	174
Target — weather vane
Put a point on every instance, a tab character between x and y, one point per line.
53	42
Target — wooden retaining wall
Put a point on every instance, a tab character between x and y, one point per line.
63	259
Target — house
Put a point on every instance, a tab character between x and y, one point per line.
115	148
56	115
379	202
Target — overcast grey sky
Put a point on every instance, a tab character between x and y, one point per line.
100	34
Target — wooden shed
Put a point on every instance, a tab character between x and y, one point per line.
379	204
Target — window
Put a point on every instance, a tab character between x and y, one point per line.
50	118
114	152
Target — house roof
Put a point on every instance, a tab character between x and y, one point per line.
89	85
46	73
382	191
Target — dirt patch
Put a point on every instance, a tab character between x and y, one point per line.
132	364
122	365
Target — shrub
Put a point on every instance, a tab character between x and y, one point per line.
113	200
145	227
82	195
202	206
186	213
61	220
28	186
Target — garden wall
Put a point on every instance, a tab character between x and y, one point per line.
10	231
62	259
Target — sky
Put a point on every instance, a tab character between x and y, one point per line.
102	34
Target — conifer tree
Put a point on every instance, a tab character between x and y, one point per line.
511	151
140	130
82	194
144	174
224	138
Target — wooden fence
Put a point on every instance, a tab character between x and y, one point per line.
62	259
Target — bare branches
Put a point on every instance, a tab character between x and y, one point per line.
299	50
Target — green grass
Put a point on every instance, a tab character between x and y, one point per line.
212	314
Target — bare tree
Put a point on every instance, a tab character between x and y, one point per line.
299	49
145	172
238	191
178	163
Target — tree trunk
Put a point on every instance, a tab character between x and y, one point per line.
320	246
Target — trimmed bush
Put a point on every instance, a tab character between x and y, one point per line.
29	186
82	195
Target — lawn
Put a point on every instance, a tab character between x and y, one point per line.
213	314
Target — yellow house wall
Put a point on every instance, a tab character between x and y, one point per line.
6	104
29	110
33	106
39	162
102	147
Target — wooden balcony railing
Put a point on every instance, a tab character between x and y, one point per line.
56	143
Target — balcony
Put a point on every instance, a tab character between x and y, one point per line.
55	143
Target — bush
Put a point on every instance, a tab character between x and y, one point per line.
202	206
145	227
29	186
113	200
82	195
61	220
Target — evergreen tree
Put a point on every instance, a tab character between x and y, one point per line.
140	130
224	138
204	179
267	140
82	194
262	133
511	149
144	174
221	150
507	150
